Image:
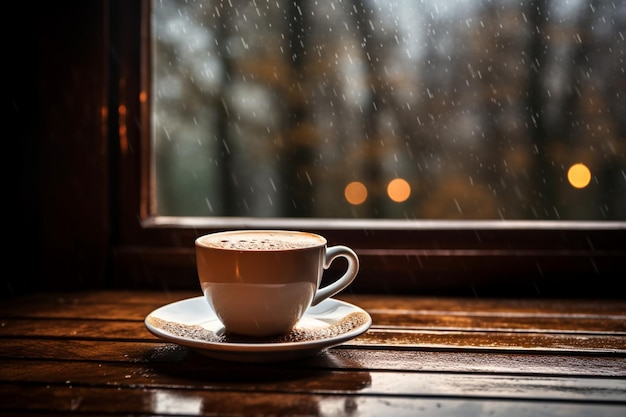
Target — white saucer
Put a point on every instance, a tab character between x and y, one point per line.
194	324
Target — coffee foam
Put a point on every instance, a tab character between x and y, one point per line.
262	241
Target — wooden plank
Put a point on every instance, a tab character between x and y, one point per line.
263	378
89	401
374	337
125	329
75	329
103	311
133	297
399	339
562	321
508	322
336	358
573	323
97	304
528	341
106	315
468	306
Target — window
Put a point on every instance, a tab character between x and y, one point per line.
477	249
364	109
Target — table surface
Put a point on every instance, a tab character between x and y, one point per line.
90	353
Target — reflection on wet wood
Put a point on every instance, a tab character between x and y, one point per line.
91	353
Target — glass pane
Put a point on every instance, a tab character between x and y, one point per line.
390	109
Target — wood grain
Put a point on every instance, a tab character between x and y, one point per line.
89	352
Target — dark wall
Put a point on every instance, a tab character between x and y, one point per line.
58	106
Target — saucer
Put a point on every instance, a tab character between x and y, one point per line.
194	324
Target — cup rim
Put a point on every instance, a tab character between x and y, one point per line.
322	240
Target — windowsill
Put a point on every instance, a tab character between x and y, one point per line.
377	224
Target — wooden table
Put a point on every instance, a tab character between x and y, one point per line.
90	353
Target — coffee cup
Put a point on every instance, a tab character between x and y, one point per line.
261	282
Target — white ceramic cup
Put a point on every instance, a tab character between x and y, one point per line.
261	282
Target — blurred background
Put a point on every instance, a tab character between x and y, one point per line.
401	109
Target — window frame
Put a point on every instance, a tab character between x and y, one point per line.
484	258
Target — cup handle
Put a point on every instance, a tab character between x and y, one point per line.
346	279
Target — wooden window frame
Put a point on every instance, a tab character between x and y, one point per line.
480	257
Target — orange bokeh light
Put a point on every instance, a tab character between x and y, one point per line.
579	176
398	190
355	193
